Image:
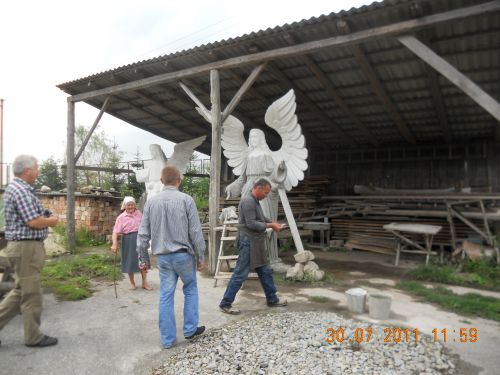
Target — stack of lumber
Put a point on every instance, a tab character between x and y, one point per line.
305	196
359	221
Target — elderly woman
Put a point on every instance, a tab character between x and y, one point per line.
127	224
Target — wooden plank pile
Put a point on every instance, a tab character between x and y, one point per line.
359	221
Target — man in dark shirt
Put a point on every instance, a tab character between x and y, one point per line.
252	248
26	227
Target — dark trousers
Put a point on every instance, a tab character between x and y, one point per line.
241	272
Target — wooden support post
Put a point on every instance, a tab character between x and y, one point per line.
452	226
215	162
70	177
486	225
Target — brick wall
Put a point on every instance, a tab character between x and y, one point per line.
93	212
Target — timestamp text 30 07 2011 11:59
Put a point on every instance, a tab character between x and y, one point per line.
401	335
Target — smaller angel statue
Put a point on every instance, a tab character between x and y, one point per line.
151	174
284	167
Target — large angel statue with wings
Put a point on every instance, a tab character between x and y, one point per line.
284	167
151	173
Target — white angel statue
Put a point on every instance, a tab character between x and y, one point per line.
284	167
151	174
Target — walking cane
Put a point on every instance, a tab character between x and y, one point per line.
114	274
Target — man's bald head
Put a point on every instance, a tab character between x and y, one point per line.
170	175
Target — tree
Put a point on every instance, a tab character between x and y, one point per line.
99	152
134	188
50	175
197	187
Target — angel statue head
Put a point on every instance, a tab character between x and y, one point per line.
257	140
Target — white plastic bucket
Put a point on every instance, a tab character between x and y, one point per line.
379	306
356	299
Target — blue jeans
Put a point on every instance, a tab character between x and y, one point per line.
240	274
171	267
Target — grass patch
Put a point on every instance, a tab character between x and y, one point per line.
438	274
69	277
467	304
319	299
483	273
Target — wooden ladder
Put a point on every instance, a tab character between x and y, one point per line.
227	228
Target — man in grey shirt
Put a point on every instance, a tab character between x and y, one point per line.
170	220
252	248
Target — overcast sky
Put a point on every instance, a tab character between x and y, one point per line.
45	43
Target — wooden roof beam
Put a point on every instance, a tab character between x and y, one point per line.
300	49
155	116
313	108
460	80
161	104
377	85
246	121
330	89
265	101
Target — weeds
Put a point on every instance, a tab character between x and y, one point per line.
319	299
70	278
83	237
467	304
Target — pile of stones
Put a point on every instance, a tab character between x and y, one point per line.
302	343
305	268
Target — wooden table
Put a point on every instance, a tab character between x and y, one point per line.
323	229
427	231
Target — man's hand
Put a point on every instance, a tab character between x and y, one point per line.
114	248
200	266
275	226
144	266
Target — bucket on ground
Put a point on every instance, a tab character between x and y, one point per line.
379	306
356	298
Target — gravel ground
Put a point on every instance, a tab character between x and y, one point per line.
296	343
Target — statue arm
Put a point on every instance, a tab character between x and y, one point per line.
278	176
234	188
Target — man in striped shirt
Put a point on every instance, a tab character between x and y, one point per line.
170	220
25	230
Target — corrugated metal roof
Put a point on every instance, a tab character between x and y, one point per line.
471	44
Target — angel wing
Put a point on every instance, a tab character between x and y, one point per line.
281	117
234	144
182	153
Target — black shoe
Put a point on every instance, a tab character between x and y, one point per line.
278	304
45	341
198	332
